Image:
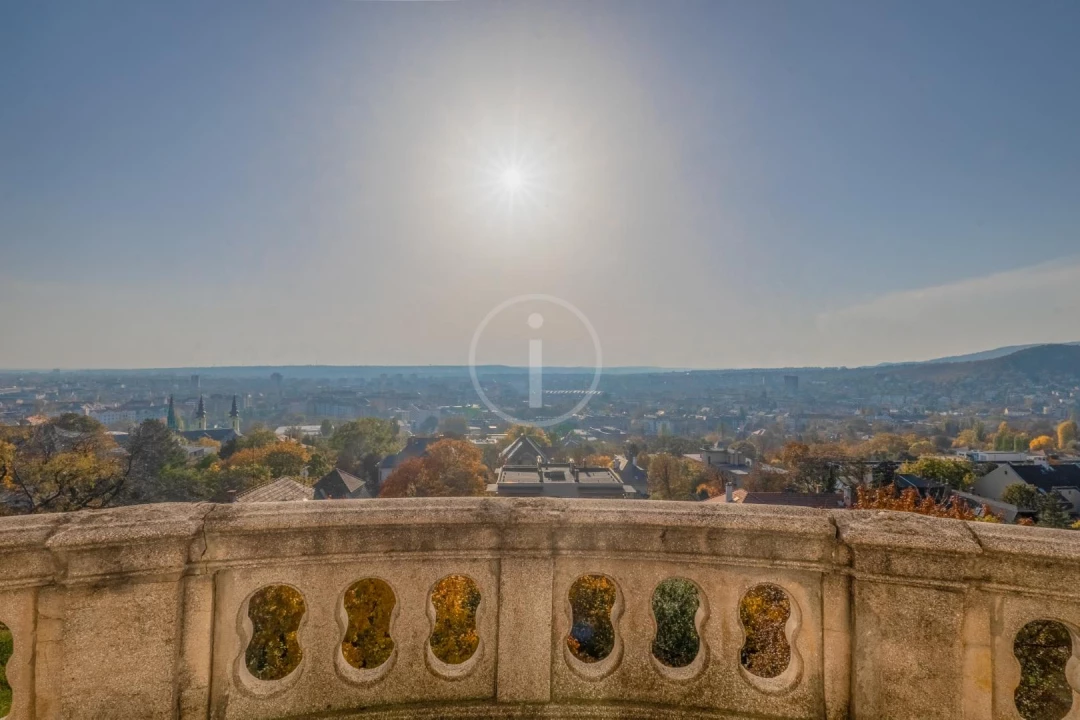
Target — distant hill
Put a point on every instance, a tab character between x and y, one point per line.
1036	362
987	354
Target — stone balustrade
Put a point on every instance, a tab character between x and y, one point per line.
145	612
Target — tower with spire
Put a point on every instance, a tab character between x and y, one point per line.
200	414
234	417
171	420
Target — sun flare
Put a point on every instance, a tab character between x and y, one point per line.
512	179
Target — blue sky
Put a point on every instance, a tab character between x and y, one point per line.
714	184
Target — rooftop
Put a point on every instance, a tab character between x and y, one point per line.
560	480
283	489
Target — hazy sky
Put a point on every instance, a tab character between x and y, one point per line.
713	184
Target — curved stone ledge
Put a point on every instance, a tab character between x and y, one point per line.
131	612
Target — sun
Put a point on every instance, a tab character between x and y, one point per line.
512	179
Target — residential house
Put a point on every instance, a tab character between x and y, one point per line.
340	485
632	474
292	431
1063	479
925	488
283	489
415	447
524	451
980	505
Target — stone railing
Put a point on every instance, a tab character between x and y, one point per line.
143	612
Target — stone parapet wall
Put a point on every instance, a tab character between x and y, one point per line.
142	612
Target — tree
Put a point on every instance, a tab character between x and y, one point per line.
449	468
810	470
73	422
319	464
746	449
1022	495
454	426
1041	443
54	467
530	431
361	444
286	458
979	428
761	480
154	456
603	461
922	447
885	446
256	437
1066	434
1003	438
668	478
675	445
967	439
957	474
326	429
283	458
1052	512
794	455
886	498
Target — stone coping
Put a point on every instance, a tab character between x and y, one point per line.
179	537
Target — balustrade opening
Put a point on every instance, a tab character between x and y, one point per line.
456	599
592	634
274	650
1043	649
764	612
369	605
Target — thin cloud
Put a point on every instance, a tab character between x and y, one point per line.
1035	304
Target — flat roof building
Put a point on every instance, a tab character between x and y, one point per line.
563	480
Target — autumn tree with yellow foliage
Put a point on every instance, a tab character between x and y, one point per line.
70	463
1066	434
1041	444
601	461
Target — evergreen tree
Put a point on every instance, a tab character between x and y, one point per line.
1052	512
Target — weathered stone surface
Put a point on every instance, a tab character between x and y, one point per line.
141	612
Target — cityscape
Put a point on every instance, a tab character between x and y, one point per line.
539	360
798	435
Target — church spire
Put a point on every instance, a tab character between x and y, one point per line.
234	415
200	414
171	420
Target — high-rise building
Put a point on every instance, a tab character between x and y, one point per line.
234	417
